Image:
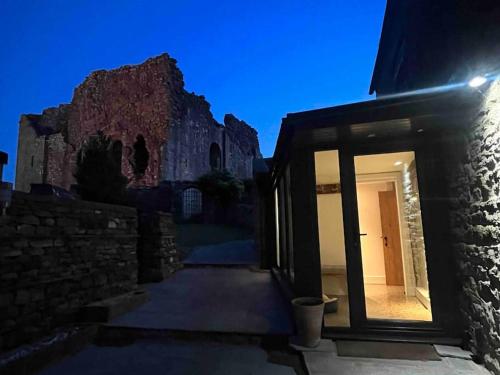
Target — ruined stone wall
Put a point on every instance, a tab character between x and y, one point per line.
30	155
242	146
58	256
475	177
145	100
58	152
35	156
127	102
187	152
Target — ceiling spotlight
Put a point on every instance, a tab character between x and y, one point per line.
371	135
420	130
398	163
477	81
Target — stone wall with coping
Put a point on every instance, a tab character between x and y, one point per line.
156	250
475	178
58	256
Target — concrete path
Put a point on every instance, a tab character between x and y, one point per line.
169	357
228	253
324	360
235	300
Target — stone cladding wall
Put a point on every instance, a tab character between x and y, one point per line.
413	218
58	256
475	177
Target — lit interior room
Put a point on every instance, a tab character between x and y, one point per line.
391	237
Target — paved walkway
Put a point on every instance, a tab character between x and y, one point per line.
198	299
229	253
324	360
214	300
169	357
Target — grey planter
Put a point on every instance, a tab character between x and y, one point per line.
308	312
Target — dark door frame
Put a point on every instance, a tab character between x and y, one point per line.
426	172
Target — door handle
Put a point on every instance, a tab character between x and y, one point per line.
385	240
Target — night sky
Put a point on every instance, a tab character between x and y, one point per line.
256	59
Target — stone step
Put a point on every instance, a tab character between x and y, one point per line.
107	309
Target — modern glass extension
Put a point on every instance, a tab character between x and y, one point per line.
391	238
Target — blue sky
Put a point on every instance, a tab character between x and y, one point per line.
256	59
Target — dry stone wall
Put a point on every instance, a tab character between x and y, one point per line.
476	223
157	253
57	256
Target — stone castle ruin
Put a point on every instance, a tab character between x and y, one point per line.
163	134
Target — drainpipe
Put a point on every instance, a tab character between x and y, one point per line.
5	187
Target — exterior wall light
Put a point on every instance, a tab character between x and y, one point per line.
477	81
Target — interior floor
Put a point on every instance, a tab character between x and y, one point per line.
390	302
382	302
335	286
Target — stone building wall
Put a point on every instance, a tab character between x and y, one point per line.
58	256
475	177
413	218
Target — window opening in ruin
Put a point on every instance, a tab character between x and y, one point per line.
116	152
191	203
141	156
32	160
215	156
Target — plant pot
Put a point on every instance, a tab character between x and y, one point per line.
308	312
331	304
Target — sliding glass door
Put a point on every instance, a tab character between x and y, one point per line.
372	240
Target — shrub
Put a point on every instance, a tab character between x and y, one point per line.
222	186
98	172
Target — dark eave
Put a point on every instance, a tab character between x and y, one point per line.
389	115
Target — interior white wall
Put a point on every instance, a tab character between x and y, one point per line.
331	230
372	250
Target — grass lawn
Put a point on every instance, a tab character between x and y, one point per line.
190	235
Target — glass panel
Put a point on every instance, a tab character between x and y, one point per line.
331	239
283	228
289	225
276	215
392	240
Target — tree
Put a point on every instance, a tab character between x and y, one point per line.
98	171
222	186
